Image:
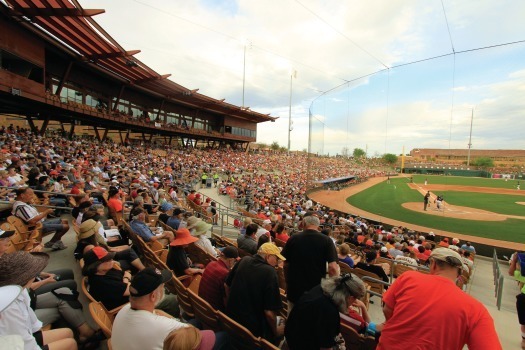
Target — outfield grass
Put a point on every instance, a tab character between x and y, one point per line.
385	200
466	181
496	203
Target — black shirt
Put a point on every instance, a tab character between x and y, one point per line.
306	256
109	288
313	322
254	287
164	217
378	270
177	260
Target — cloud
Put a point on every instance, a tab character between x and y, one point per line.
203	44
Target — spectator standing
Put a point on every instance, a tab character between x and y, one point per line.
307	255
465	321
254	295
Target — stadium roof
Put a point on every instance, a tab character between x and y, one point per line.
336	180
66	24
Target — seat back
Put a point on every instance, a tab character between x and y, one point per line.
198	255
194	285
401	268
204	312
354	340
102	317
266	345
17	240
280	243
85	289
241	337
175	285
374	287
344	267
218	240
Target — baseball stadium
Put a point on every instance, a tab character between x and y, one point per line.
336	180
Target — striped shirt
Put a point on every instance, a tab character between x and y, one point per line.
25	211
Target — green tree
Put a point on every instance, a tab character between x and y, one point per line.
390	158
483	162
275	146
358	153
283	149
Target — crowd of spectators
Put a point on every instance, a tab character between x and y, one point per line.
132	182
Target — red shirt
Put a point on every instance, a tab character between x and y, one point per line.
354	320
211	287
282	236
115	203
415	296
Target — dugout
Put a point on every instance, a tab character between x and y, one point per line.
336	182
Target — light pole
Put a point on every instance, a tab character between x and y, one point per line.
249	44
470	137
293	74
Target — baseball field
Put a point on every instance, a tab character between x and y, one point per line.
493	209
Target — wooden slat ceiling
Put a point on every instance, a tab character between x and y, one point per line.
73	26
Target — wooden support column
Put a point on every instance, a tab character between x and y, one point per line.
121	139
44	126
150	137
121	92
144	137
96	133
31	124
105	134
160	110
71	130
64	78
169	143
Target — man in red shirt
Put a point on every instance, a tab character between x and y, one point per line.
78	187
211	287
452	317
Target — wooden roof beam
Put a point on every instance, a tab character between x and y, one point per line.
56	12
113	55
161	77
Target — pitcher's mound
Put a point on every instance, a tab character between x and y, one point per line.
457	212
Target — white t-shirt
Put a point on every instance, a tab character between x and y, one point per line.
140	330
205	244
19	318
406	259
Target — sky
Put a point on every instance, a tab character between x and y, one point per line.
346	66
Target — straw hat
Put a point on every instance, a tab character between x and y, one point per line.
201	228
88	228
183	237
18	268
191	222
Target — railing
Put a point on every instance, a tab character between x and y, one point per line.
498	279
